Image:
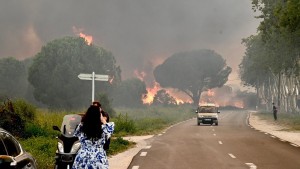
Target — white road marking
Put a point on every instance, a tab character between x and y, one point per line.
273	136
282	140
213	129
147	147
266	133
136	167
143	153
295	145
231	155
251	165
220	142
214	134
159	134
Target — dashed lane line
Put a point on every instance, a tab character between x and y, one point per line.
143	154
147	147
231	155
135	167
251	165
295	145
220	142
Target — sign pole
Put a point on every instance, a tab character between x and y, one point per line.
93	87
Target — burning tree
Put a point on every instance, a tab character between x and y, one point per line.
193	72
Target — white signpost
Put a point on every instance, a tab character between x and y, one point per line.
93	77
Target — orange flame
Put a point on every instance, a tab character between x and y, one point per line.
88	38
151	93
239	104
78	31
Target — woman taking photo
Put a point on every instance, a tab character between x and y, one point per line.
92	132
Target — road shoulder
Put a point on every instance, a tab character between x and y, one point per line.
274	129
123	160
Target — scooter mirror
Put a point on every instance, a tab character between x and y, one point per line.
55	128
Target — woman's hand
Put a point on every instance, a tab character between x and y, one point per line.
102	119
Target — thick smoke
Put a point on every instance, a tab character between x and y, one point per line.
140	33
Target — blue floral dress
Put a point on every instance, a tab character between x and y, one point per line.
91	155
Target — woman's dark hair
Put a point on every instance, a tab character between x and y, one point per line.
91	124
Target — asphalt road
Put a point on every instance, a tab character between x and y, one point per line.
231	145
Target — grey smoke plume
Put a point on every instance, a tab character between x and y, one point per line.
140	33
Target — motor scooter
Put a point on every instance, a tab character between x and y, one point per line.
67	144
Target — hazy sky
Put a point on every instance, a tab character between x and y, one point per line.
139	33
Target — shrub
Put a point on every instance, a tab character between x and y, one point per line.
25	110
35	130
124	125
10	120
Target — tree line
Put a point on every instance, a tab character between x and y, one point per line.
271	61
50	78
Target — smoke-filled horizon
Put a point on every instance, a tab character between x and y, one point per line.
140	33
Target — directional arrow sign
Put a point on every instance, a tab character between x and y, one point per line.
101	77
93	77
85	76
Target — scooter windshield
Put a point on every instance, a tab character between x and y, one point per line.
69	124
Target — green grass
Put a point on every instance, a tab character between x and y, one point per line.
129	121
42	149
291	121
119	145
150	120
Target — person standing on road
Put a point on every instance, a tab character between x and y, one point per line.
92	132
274	111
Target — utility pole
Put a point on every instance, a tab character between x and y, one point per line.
279	86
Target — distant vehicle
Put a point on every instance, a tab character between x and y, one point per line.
207	114
12	154
67	144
